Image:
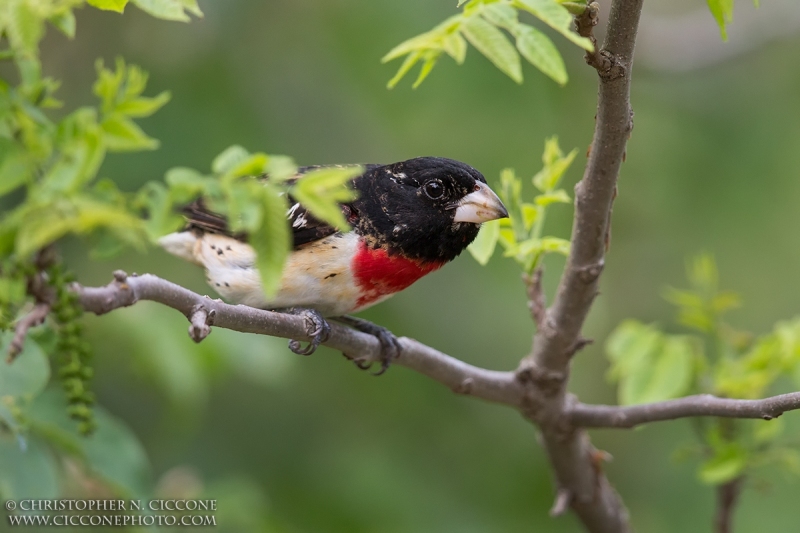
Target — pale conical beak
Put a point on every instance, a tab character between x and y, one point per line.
482	205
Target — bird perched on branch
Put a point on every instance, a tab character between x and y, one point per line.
409	219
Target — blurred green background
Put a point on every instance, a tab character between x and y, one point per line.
297	444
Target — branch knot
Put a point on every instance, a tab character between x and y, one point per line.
201	321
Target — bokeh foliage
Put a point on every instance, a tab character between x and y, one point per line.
49	180
481	23
297	437
716	358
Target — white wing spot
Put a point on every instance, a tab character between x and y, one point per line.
299	222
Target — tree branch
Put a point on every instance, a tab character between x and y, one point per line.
558	336
202	312
612	416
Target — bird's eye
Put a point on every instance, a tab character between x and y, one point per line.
434	189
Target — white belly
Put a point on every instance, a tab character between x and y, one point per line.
316	276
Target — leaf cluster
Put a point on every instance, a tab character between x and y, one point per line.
651	365
521	233
484	24
57	163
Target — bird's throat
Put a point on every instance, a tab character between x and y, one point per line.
379	274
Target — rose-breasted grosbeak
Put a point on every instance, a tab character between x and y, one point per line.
410	218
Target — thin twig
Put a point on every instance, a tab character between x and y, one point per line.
584	24
36	316
536	298
612	416
727	497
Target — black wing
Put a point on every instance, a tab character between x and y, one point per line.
305	227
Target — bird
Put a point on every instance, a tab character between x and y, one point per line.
409	219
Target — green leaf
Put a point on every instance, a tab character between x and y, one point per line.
484	244
521	250
244	206
14	170
272	239
156	200
28	469
511	194
456	47
135	83
28	374
65	22
192	7
722	10
77	164
649	365
491	42
683	298
415	44
557	17
529	214
555	165
252	165
44	225
115	454
164	9
280	168
672	372
12	290
322	190
228	159
702	272
109	5
105	245
725	301
143	107
767	430
24	27
629	344
557	196
407	65
93	214
8	422
727	464
502	15
185	184
575	8
555	244
507	238
108	83
112	453
122	135
427	66
540	52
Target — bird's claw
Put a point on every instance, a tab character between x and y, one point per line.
316	327
390	346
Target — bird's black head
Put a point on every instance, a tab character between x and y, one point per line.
428	208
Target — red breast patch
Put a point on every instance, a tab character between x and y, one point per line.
379	274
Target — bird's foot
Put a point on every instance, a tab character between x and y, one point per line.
316	327
390	346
